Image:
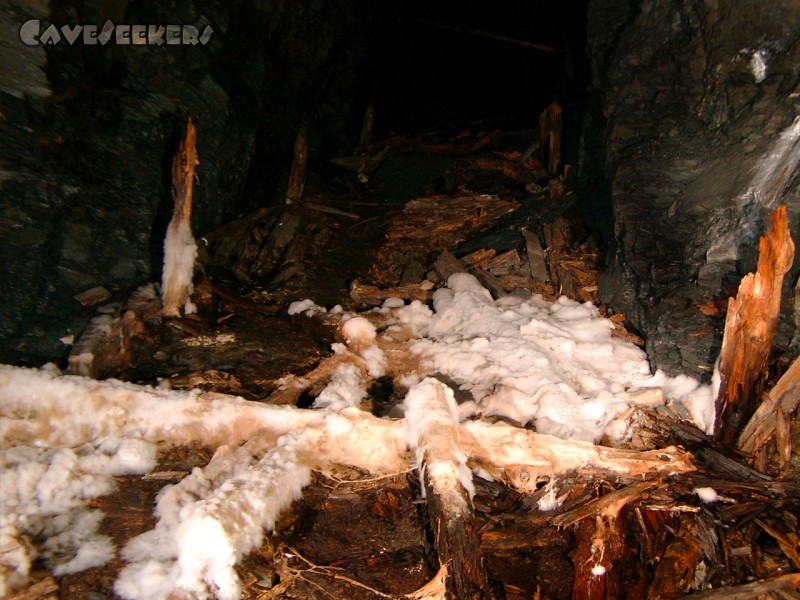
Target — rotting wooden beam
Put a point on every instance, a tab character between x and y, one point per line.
550	130
180	249
433	432
749	330
782	400
446	264
375	296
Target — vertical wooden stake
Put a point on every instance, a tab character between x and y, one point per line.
749	331
367	126
180	249
297	172
550	131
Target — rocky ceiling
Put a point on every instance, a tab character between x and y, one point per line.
681	126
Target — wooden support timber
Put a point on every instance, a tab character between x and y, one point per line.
180	249
434	434
749	329
297	172
550	130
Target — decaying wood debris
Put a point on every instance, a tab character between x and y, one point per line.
118	337
512	454
749	329
563	266
476	509
180	249
431	225
767	436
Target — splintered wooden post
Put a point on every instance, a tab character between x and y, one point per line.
180	249
297	172
367	126
749	329
550	130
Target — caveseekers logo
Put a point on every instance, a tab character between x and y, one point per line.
32	34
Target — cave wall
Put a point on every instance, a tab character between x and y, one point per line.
690	140
88	133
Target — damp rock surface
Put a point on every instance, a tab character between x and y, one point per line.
89	132
694	119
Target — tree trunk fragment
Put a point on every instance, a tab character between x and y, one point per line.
749	330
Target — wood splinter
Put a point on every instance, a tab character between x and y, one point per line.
749	329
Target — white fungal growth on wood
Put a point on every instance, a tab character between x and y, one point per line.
180	252
209	520
432	420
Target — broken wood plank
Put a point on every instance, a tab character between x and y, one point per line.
117	339
675	571
446	264
535	252
789	542
558	236
478	257
375	296
514	282
234	247
520	457
332	211
428	226
609	504
273	249
749	329
93	296
502	264
490	282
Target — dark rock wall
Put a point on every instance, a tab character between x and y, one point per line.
691	139
88	133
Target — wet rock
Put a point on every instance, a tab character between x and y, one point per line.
695	112
89	132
